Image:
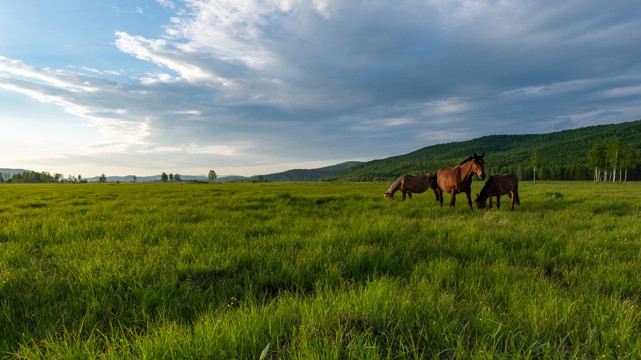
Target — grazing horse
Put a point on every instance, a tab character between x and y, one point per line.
409	184
497	185
458	179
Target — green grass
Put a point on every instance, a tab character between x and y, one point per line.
147	271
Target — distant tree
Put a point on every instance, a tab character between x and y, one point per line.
545	172
135	178
598	160
102	178
519	172
212	175
630	159
163	177
535	163
177	178
614	156
171	177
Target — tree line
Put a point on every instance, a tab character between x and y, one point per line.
33	177
609	157
171	177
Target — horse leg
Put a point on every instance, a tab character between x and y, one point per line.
469	199
440	196
498	201
403	191
490	199
409	193
453	201
512	200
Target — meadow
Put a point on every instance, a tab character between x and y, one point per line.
317	270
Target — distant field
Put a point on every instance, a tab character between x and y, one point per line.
317	270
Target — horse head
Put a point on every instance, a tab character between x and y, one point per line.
480	204
478	165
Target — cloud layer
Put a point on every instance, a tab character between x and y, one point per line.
243	84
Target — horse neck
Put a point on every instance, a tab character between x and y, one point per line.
395	186
466	170
483	193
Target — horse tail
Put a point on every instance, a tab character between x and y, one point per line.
431	180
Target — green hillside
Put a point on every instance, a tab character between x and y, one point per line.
295	175
563	155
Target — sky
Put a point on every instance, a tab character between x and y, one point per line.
248	87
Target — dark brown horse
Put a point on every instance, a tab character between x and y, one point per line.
497	185
458	179
409	184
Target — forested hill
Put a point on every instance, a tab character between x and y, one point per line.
563	155
304	174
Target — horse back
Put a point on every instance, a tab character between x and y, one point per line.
448	179
502	184
415	184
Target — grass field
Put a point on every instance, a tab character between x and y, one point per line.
301	271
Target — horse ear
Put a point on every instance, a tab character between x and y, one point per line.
483	154
475	154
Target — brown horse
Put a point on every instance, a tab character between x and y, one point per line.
409	184
497	185
458	179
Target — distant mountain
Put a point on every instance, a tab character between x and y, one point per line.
289	175
563	155
305	174
5	171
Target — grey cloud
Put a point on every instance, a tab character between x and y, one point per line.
364	79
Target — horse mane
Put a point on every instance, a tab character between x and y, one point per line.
482	196
489	181
395	185
466	160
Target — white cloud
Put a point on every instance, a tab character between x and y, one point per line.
96	71
166	3
58	78
160	53
445	107
553	89
625	91
87	97
388	122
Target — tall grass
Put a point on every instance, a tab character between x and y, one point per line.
317	271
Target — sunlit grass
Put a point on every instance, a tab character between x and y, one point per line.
317	271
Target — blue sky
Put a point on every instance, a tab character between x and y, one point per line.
254	87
